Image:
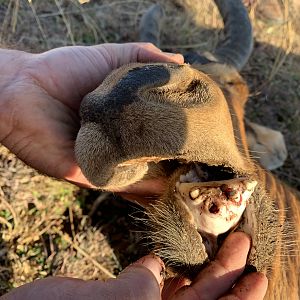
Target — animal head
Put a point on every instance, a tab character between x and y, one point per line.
146	116
143	114
149	113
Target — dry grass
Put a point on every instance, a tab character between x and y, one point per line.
43	229
48	227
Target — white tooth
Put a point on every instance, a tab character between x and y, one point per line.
250	186
229	212
194	194
223	211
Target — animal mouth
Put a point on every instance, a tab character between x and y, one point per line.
215	198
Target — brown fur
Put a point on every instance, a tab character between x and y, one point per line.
284	268
188	116
182	101
148	119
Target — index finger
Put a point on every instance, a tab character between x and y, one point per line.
137	52
219	276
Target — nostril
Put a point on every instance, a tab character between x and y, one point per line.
214	209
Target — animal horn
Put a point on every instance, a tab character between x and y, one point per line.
233	50
149	31
237	45
150	25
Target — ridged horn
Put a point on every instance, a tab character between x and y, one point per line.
237	44
235	49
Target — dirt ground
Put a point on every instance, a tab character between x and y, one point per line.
50	227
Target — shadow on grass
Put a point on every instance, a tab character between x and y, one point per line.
116	219
5	268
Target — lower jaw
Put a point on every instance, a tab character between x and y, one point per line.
177	235
219	207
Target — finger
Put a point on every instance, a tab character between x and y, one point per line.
73	174
172	285
69	73
141	280
52	288
251	286
143	192
148	52
121	54
225	269
220	274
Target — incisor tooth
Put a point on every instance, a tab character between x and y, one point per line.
194	194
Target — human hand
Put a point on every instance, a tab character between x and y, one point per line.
143	280
40	95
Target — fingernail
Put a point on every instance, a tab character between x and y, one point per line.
175	57
155	265
171	54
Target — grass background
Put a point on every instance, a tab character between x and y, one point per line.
50	227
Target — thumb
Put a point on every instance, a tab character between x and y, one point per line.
122	54
141	280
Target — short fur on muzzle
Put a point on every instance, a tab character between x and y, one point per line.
142	114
